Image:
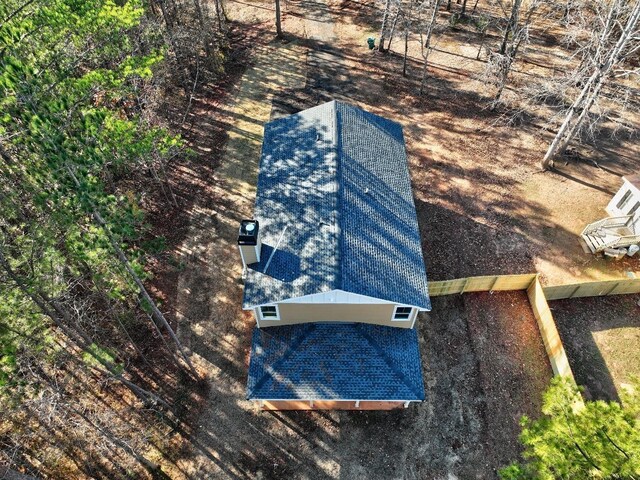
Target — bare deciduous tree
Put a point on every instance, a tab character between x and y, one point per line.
512	23
383	28
430	25
605	52
393	26
518	19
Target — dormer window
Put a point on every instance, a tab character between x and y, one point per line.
269	312
623	201
402	313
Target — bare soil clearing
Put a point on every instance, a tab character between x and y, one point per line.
601	336
513	366
483	208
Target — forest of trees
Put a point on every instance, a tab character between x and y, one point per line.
80	145
92	374
603	37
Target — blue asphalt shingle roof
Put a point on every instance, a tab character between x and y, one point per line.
335	361
334	196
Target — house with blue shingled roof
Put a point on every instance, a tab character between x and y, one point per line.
333	265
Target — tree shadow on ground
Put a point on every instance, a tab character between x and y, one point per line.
462	237
514	369
601	336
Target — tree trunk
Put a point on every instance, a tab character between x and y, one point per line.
482	39
219	15
427	43
464	7
383	28
513	21
278	23
168	22
206	33
406	51
506	68
393	29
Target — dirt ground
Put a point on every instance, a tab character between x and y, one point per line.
601	336
484	208
513	365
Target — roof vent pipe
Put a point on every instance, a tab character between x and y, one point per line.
249	242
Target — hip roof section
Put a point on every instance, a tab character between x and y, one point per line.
336	210
331	361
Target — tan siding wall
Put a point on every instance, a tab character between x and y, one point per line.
293	313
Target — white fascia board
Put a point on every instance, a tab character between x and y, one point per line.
338	297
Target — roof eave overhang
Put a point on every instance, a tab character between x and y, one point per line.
364	299
318	399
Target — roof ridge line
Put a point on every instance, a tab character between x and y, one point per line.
386	359
339	192
292	347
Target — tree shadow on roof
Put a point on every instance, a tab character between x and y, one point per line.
284	262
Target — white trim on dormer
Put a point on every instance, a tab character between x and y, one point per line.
336	296
339	297
628	192
409	314
270	318
415	317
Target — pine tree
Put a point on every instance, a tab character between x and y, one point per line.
580	440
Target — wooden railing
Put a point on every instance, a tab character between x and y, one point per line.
621	241
607	222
